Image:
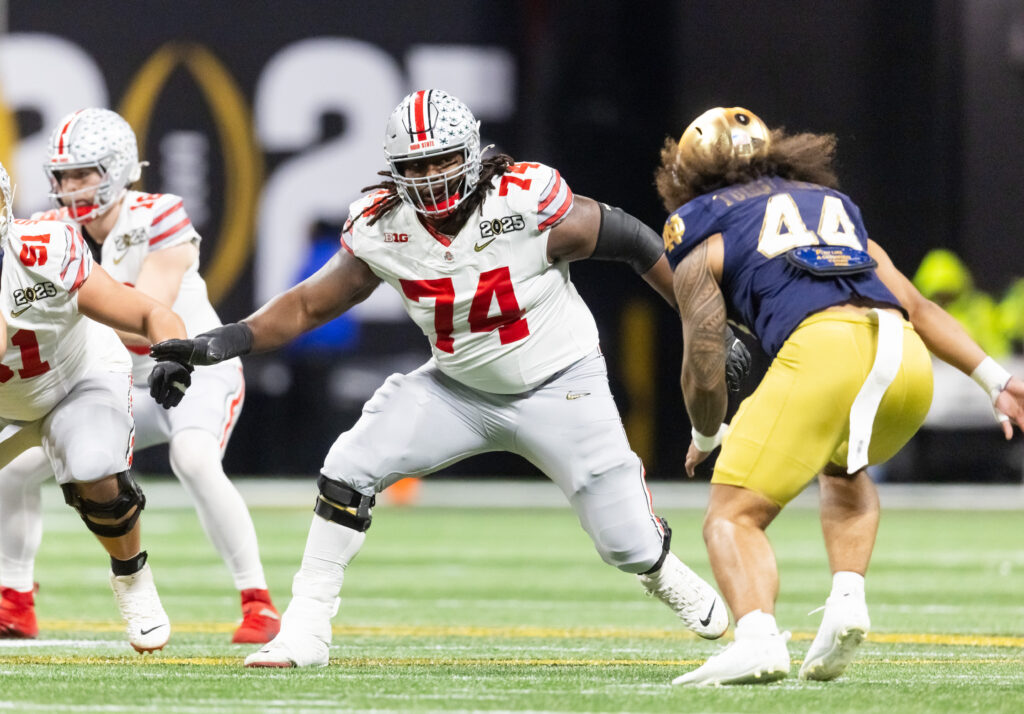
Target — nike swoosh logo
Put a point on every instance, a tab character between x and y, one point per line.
707	620
576	395
15	313
118	259
480	246
155	627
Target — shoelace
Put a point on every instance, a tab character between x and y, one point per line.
678	600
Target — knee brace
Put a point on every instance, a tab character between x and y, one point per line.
666	544
343	505
129	496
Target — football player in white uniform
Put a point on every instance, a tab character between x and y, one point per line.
66	383
479	249
148	241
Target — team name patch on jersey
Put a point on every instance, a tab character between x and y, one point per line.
505	224
829	260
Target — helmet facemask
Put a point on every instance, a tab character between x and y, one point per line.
725	133
100	140
426	125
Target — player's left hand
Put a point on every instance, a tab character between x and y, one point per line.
694	456
737	360
168	382
1010	402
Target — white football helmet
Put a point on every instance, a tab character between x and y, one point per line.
430	123
6	202
96	139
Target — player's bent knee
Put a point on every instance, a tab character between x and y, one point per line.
343	505
113	518
634	553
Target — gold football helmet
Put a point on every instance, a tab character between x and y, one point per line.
735	131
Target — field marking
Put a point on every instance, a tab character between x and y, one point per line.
533	632
373	662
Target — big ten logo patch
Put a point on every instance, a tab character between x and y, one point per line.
396	237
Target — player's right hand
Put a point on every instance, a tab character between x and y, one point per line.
737	361
211	347
168	382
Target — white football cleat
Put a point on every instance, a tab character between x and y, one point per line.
304	638
844	626
748	660
148	627
290	650
690	597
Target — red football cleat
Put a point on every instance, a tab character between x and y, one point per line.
260	621
18	614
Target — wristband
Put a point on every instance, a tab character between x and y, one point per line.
991	377
707	444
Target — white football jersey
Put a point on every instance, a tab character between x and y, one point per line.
50	345
149	222
499	315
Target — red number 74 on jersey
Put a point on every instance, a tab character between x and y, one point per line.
497	283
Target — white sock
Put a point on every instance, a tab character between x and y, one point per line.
756	624
196	461
330	547
21	517
846	582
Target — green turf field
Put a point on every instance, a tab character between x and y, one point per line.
510	609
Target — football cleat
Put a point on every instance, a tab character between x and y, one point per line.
260	621
304	637
18	614
295	649
844	626
748	660
690	597
147	624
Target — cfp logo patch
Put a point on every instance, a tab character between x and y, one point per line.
24	297
127	240
505	224
396	237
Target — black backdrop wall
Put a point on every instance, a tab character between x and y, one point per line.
268	118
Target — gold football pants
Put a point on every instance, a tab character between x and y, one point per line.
798	418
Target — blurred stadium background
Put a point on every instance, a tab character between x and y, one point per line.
268	118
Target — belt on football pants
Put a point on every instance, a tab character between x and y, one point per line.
888	356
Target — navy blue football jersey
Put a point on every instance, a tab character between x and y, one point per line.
760	222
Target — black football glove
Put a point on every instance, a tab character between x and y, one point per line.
211	347
737	360
168	382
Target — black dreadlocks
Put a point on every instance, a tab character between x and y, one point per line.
489	168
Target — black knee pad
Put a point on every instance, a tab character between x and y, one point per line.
343	505
129	496
666	544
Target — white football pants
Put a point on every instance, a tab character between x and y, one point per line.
197	431
569	427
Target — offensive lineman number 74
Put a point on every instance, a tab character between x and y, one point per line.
497	283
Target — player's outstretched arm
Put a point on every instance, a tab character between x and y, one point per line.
344	281
946	339
942	334
105	300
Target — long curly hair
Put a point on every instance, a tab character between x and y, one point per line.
796	157
389	200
